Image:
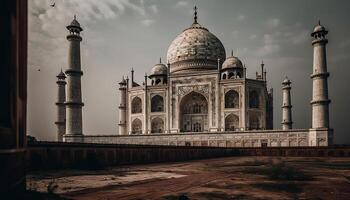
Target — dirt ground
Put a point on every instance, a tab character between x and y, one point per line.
222	178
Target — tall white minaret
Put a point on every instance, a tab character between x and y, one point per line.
73	102
320	101
286	105
61	108
122	107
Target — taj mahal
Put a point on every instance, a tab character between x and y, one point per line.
199	96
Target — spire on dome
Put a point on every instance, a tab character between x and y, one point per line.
160	60
195	15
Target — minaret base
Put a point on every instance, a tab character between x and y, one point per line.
321	137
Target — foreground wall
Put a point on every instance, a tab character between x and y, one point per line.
269	138
56	155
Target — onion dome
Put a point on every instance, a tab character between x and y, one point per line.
232	62
123	81
61	75
195	49
75	25
286	81
319	29
159	69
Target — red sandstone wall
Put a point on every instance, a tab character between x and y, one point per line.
56	155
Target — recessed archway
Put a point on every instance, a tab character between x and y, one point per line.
232	99
157	125
136	105
231	122
254	123
136	126
193	113
157	104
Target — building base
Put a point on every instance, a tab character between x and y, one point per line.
259	138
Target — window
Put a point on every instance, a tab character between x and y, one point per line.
136	126
136	105
157	104
231	122
253	99
254	123
232	99
157	125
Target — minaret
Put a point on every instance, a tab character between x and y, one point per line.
262	70
286	105
61	108
122	107
73	102
320	101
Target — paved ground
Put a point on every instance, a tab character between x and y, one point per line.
223	178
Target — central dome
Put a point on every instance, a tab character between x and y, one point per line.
195	49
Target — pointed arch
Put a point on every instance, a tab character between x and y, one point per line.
231	99
231	122
193	113
254	99
136	126
254	123
136	105
157	125
224	76
157	104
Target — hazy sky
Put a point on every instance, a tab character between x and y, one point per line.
120	34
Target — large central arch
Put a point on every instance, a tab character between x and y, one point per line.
193	113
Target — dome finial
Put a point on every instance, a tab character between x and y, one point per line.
232	52
75	17
319	22
195	14
160	60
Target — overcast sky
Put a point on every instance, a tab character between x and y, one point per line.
120	34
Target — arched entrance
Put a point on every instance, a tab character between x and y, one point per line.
157	125
136	126
193	113
254	123
231	122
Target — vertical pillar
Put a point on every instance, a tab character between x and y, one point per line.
217	98
74	102
13	100
61	108
168	100
320	101
145	103
122	107
286	105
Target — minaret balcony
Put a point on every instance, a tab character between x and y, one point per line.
323	75
122	123
321	101
74	37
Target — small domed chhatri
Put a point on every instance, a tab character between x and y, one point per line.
319	27
319	31
286	81
232	62
195	49
159	69
74	26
